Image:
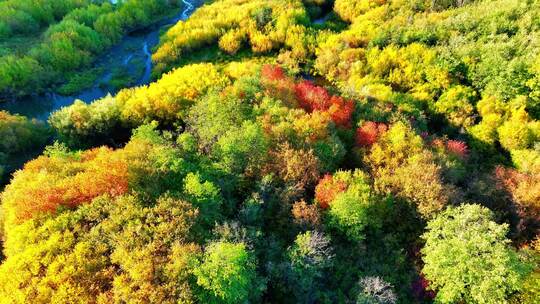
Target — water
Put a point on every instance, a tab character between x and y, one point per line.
134	48
322	20
147	66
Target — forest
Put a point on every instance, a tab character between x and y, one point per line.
284	151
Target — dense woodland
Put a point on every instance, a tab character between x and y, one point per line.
288	151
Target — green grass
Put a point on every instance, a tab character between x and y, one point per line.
80	81
123	76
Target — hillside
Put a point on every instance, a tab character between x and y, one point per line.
270	151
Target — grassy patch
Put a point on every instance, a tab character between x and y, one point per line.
124	76
80	81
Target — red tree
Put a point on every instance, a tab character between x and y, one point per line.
272	72
341	111
306	95
327	190
369	132
47	183
420	289
457	148
311	97
278	85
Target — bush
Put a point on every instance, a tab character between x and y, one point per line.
351	211
401	165
468	258
456	104
87	125
227	274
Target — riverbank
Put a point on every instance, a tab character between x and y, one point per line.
126	64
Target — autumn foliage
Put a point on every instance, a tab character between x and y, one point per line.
311	97
278	84
48	183
369	132
308	96
271	72
297	168
306	215
64	179
315	98
524	188
327	190
299	151
458	148
341	111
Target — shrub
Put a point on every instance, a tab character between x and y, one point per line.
227	274
468	258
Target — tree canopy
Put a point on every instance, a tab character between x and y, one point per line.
291	151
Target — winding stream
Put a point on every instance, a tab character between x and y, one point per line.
132	56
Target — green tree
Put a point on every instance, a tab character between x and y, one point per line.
87	125
227	274
351	211
468	258
214	115
309	257
19	136
242	148
456	104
